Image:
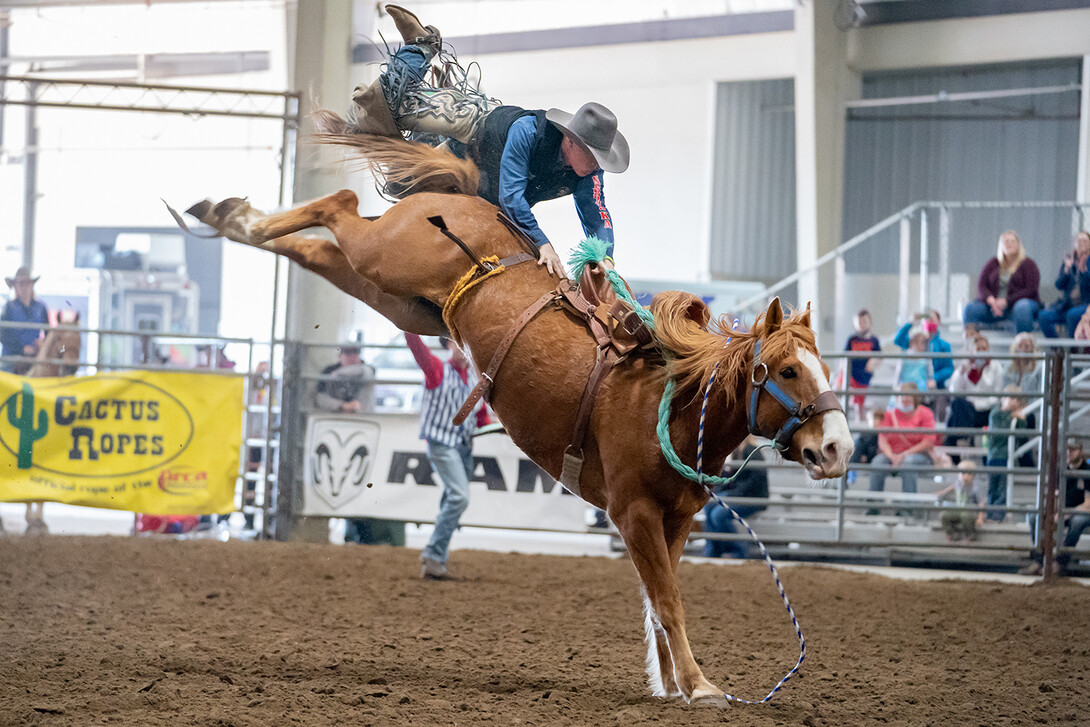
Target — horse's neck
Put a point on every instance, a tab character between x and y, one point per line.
726	426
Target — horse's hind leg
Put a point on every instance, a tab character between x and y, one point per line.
236	220
641	525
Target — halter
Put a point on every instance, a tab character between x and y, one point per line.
823	402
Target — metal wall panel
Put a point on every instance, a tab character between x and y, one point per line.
753	202
1018	149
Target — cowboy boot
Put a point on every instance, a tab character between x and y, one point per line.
413	32
372	112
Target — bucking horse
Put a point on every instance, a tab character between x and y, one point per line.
576	382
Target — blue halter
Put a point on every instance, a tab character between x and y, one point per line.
799	414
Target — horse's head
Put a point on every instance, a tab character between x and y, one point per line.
786	393
789	397
61	343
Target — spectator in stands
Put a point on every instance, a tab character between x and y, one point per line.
1082	329
353	389
960	525
350	389
1008	287
1025	373
1007	415
943	366
918	371
866	443
1076	505
750	482
450	447
1073	282
899	449
978	373
23	308
861	369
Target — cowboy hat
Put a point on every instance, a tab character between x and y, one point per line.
21	274
594	127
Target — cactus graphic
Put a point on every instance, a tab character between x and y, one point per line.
24	422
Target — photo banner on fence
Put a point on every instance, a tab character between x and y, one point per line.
154	442
377	466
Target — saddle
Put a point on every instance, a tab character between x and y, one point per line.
617	331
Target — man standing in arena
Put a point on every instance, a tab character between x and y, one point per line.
524	156
23	308
450	447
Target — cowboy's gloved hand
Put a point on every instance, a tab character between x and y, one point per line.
551	260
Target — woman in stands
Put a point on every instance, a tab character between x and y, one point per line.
1008	287
1074	285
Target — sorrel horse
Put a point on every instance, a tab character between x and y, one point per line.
57	356
406	265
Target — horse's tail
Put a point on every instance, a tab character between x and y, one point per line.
404	167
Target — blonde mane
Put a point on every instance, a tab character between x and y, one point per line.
403	167
697	349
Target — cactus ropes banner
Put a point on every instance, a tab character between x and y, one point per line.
157	442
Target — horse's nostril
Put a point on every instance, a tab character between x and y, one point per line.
831	451
810	455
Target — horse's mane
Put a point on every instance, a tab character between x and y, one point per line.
403	167
697	349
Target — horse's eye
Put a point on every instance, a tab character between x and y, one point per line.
788	373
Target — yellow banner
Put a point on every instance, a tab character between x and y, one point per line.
154	442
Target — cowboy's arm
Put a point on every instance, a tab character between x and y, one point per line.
514	176
590	204
9	337
428	362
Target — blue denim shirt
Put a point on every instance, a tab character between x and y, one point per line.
14	339
589	194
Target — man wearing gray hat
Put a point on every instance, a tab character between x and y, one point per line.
525	156
23	308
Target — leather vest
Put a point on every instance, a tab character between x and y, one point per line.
547	177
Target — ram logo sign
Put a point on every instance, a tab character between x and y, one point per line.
340	455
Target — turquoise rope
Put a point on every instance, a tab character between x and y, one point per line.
663	430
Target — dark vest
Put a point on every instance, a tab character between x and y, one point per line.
548	176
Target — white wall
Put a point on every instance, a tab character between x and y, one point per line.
664	98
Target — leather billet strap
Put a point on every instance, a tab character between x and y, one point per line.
484	383
631	322
799	414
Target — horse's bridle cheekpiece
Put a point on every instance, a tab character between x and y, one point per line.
799	414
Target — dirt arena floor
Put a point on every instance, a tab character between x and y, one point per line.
140	632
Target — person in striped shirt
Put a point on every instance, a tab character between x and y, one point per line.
450	448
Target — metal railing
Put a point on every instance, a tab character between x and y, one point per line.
808	520
917	213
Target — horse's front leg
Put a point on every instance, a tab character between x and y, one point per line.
655	550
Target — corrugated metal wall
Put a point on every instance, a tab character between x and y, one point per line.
753	203
1019	148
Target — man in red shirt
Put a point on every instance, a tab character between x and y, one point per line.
450	446
898	449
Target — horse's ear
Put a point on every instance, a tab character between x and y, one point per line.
804	319
773	316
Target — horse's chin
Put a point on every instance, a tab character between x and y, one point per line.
823	472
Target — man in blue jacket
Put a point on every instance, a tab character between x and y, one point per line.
23	308
525	156
943	365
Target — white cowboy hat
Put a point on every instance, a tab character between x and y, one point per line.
21	274
594	127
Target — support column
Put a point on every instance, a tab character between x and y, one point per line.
320	58
1083	177
823	83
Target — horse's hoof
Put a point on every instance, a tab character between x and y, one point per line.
710	700
200	210
228	206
